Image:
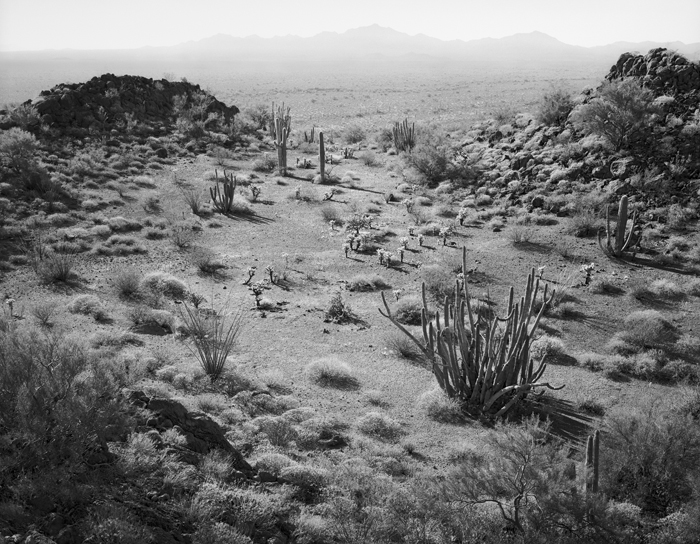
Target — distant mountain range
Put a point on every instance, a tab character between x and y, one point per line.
378	43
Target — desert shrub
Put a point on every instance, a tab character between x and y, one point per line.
379	425
331	213
354	134
88	305
438	406
620	113
219	533
127	282
439	281
245	509
368	158
547	347
555	106
266	163
339	311
214	336
332	372
55	267
408	311
17	149
520	235
207	261
584	223
604	287
57	400
666	289
162	283
649	458
278	430
43	312
364	282
121	224
648	329
118	244
273	463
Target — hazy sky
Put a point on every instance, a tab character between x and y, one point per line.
115	24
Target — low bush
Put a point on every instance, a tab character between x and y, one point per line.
404	347
88	305
266	163
339	311
379	425
127	282
439	407
408	311
364	282
332	372
164	284
648	329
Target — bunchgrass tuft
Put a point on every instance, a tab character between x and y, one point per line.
332	372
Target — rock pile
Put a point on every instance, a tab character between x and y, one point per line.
660	70
108	102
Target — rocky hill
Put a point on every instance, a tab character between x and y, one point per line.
113	102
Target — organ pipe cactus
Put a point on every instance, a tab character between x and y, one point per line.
223	199
404	136
482	361
321	157
620	242
280	128
591	464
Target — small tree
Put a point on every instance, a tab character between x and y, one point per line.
620	113
555	106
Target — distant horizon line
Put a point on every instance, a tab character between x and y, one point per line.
375	25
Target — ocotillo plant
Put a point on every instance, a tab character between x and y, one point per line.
404	136
592	464
321	157
621	241
280	128
482	361
223	201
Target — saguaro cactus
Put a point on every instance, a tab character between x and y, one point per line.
223	200
483	362
592	464
280	127
321	157
621	241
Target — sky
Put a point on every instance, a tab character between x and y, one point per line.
28	25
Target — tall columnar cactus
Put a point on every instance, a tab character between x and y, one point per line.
592	464
223	199
404	136
621	242
482	361
321	157
280	128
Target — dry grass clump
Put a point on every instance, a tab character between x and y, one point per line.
404	347
89	305
364	282
162	283
439	407
121	224
332	372
55	267
693	287
648	329
43	312
330	213
118	244
379	425
266	163
667	290
439	281
273	463
547	347
521	235
127	282
584	224
604	287
115	339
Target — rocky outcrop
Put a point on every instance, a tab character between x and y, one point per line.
660	70
201	432
113	102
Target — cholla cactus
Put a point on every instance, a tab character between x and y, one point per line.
444	233
400	251
397	294
420	240
255	192
411	230
346	248
271	271
297	193
408	202
462	215
11	303
382	254
540	271
258	288
332	224
404	242
588	270
251	273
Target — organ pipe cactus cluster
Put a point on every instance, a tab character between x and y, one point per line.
404	136
223	199
280	128
619	242
482	361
